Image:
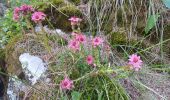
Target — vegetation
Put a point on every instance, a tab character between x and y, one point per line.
92	49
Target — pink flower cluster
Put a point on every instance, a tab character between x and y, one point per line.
66	84
135	62
78	39
24	9
74	45
75	20
38	17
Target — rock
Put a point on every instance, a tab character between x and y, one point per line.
2	9
33	67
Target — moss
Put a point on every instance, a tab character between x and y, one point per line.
167	36
42	6
58	2
70	10
2	59
2	54
117	38
12	56
119	41
76	1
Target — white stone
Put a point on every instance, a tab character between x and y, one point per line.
32	65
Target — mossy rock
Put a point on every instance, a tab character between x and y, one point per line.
58	2
14	67
76	2
2	54
2	61
42	6
58	16
117	38
167	36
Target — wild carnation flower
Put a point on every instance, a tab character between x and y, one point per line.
66	84
16	14
81	38
75	20
26	8
89	59
97	41
38	17
74	44
135	62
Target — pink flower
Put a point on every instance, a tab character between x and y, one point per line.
38	17
75	20
17	10
16	14
89	59
66	84
97	41
81	38
26	8
74	44
135	62
16	17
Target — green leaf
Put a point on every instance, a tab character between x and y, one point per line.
75	95
64	98
167	3
100	94
152	19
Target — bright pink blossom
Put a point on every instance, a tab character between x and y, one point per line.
89	59
66	84
135	62
75	20
81	38
74	44
38	17
97	41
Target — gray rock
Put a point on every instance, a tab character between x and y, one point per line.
2	9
